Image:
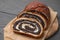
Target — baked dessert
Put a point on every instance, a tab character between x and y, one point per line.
33	20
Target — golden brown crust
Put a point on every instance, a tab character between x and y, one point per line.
39	13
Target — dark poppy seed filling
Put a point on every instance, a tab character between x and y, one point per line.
33	16
40	13
27	26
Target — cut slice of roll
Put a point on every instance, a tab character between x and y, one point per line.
32	21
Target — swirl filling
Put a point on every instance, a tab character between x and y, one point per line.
27	26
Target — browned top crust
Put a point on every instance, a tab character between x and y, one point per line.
35	5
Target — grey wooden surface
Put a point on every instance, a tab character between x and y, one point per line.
10	8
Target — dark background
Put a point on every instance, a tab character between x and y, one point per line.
10	8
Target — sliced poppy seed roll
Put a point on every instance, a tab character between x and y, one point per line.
32	20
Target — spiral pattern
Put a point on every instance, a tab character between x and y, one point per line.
33	20
27	26
30	23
